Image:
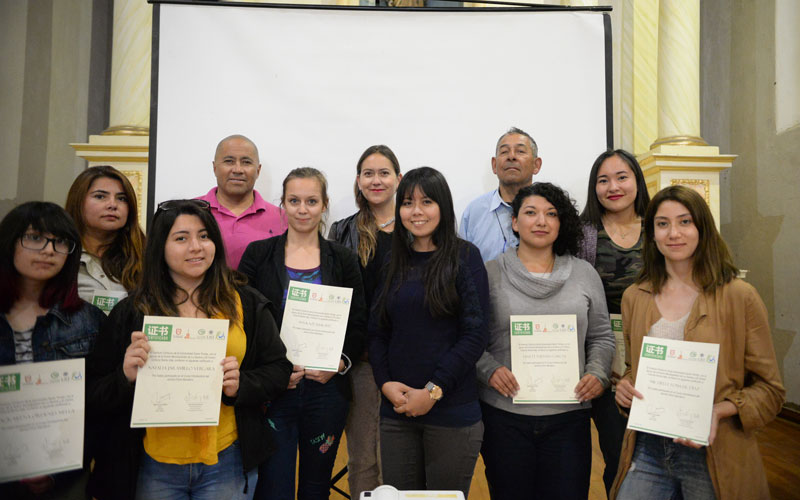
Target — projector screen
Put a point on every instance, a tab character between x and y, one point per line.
316	86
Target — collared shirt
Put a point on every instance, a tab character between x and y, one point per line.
260	221
487	224
91	277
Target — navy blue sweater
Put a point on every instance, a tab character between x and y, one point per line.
415	347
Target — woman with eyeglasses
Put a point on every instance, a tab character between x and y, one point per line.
368	232
310	416
688	290
103	205
41	316
427	330
185	274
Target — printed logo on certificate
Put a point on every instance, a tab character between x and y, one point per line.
544	358
314	324
105	300
677	380
618	365
41	418
181	383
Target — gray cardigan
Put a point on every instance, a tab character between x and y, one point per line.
572	288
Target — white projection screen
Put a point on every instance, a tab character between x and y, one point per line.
317	86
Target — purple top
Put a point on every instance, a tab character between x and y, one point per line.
260	221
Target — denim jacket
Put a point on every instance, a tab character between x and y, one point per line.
56	335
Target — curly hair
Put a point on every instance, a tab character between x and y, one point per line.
570	232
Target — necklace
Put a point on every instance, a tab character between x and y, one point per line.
388	222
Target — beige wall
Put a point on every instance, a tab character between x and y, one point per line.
44	56
761	193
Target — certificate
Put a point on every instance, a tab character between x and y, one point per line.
618	365
314	324
544	358
105	300
181	383
41	418
677	381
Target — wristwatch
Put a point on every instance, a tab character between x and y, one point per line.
434	391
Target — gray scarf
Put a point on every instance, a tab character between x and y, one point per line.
533	286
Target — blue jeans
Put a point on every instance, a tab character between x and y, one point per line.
310	419
666	470
224	480
537	456
610	430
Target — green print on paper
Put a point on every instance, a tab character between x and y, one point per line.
158	333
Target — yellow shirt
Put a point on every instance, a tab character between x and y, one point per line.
188	445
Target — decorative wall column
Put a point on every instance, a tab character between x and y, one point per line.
125	143
680	155
130	68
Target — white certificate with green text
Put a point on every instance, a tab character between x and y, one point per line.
41	418
544	358
677	380
181	383
618	364
314	324
105	300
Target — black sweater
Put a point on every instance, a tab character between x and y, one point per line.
116	448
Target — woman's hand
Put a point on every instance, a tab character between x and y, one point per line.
419	403
321	376
504	382
298	372
723	409
396	392
230	376
135	355
588	388
625	393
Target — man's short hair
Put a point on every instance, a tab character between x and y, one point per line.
236	136
515	130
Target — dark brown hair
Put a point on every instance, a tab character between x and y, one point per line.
43	217
712	265
365	219
156	295
122	258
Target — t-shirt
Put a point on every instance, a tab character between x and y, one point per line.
617	267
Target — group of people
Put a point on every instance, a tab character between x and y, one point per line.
425	381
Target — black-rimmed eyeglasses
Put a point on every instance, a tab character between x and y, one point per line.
177	204
37	242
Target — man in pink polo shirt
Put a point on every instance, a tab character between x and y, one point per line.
242	214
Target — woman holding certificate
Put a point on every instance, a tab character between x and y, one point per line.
688	291
612	243
311	414
369	233
103	205
41	316
541	446
427	330
184	275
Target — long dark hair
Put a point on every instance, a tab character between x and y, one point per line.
365	219
712	264
157	292
122	258
570	234
440	272
44	217
593	211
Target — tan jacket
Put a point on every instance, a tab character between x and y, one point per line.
747	375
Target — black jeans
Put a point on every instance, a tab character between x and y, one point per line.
417	456
537	457
610	430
